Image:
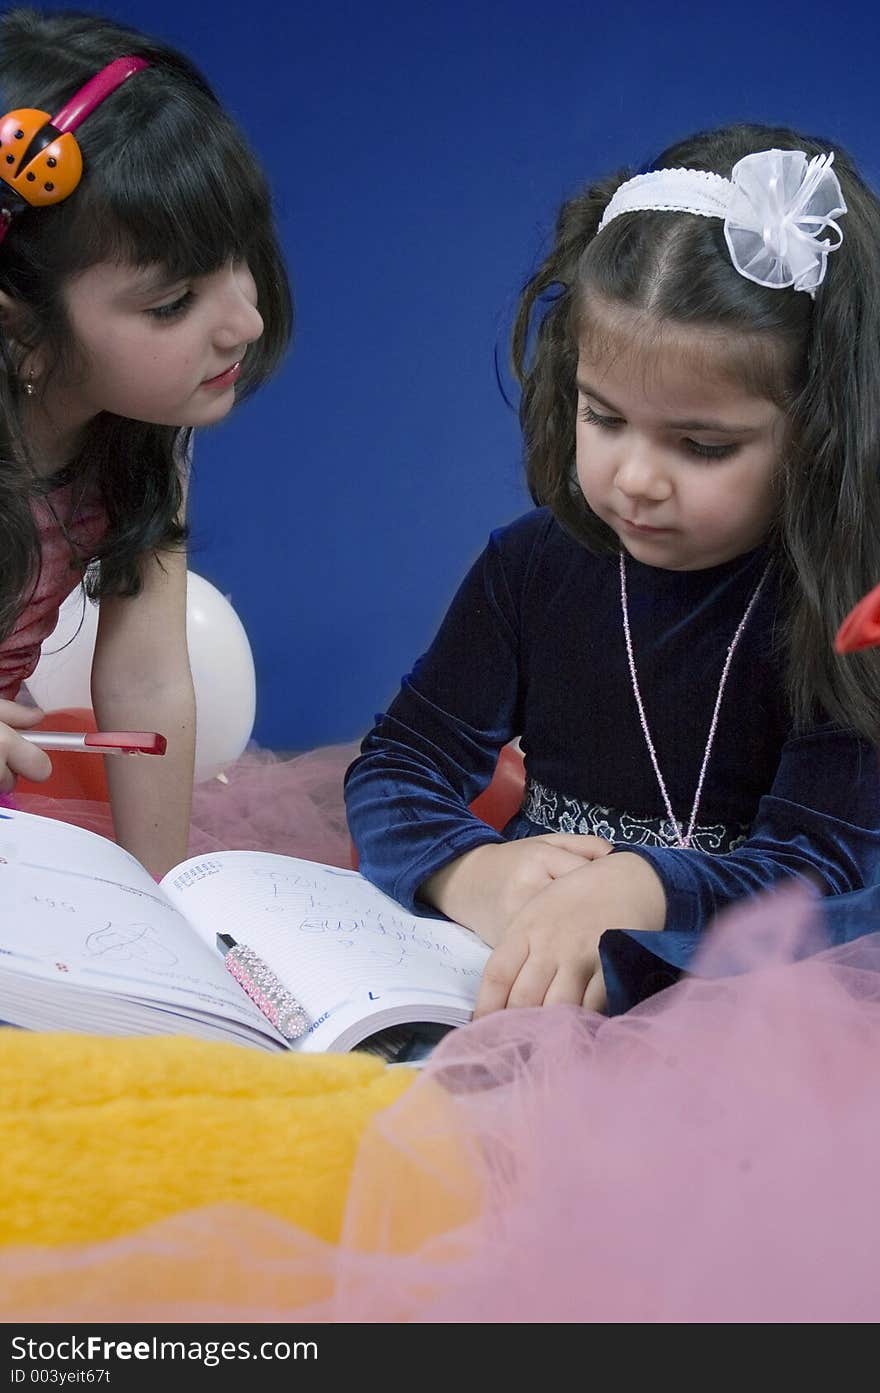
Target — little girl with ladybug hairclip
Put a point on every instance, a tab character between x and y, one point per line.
140	296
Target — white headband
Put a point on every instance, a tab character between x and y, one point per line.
775	205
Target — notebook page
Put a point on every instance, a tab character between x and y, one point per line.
345	950
74	907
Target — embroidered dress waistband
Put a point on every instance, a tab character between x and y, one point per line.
559	813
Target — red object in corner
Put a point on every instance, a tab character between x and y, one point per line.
861	627
503	797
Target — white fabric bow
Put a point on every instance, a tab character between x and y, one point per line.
776	205
780	204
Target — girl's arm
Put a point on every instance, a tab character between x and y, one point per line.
407	795
141	680
820	822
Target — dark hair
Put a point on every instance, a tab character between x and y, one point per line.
167	179
819	360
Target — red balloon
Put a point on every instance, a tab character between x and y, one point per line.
503	797
74	775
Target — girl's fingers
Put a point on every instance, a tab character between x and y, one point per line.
22	759
587	847
558	862
29	762
531	983
569	985
19	717
17	756
500	972
594	998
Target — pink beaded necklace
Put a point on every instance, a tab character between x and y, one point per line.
683	842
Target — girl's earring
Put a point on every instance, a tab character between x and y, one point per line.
29	387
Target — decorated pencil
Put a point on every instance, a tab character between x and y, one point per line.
277	1004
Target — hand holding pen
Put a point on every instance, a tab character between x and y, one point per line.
21	747
20	757
100	742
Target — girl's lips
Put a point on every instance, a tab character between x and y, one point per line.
639	527
225	378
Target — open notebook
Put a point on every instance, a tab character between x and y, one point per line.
89	942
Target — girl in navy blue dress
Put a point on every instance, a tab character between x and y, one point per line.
702	437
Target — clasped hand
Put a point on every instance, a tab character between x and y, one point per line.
543	904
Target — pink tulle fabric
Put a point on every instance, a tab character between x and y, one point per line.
709	1157
264	802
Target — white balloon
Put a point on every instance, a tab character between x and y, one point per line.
220	657
62	677
223	676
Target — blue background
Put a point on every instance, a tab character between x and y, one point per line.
418	154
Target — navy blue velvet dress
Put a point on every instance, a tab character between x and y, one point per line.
533	646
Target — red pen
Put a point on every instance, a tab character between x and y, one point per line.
99	742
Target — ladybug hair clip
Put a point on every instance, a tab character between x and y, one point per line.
40	160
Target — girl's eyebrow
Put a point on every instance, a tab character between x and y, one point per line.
154	280
716	426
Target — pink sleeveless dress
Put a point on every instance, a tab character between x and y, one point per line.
70	528
70	531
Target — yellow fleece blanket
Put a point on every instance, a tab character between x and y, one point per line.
102	1136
